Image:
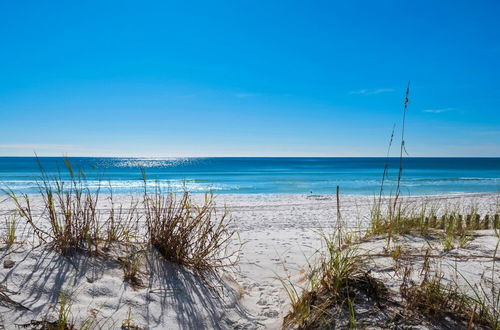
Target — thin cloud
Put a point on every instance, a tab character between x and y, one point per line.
439	110
372	91
361	91
381	90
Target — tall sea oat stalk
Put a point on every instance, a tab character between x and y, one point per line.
403	148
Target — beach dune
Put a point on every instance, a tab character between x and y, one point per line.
280	233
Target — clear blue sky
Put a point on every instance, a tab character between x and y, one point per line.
248	78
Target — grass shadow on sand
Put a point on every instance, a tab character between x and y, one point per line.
173	294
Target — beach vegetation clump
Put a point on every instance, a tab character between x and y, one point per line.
71	217
487	300
10	228
122	223
69	205
128	323
63	319
435	299
343	292
131	266
444	221
402	219
336	286
183	232
439	300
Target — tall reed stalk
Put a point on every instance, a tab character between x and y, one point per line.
402	147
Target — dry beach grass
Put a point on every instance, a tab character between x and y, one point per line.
68	223
392	275
345	290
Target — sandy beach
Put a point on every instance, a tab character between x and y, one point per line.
280	235
250	165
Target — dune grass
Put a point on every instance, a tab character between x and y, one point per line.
122	223
453	224
438	298
341	284
70	208
337	283
341	280
11	224
132	268
337	269
195	236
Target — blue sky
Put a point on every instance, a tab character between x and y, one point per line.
248	78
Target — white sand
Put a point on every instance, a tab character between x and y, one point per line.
280	235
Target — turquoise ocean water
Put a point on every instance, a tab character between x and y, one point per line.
265	175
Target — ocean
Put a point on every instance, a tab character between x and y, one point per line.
263	175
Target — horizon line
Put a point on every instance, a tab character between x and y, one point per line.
178	157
